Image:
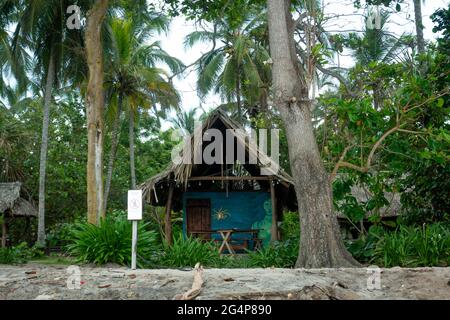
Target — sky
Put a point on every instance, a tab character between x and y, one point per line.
349	19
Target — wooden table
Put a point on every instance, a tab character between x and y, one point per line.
226	234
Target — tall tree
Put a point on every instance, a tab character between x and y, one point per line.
320	242
43	34
419	26
236	66
185	121
95	110
135	81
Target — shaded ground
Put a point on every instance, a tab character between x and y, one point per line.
38	281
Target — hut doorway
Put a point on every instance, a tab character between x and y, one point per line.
198	216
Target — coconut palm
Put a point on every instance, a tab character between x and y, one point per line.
40	26
376	44
238	67
134	82
419	25
185	121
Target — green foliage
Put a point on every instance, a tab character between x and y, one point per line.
61	234
407	246
282	254
186	252
362	249
290	226
110	241
428	245
19	254
425	189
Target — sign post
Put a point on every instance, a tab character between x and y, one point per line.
134	214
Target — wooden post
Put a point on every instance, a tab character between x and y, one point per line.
274	229
168	220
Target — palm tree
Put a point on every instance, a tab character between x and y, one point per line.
185	121
237	69
40	27
377	46
14	59
419	26
134	81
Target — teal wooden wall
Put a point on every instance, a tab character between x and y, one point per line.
247	210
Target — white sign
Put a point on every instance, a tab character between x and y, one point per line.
134	204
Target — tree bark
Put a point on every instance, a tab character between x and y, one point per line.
113	151
44	148
94	110
131	139
419	26
320	242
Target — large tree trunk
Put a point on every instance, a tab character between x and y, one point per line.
320	242
44	147
113	151
94	111
131	139
419	26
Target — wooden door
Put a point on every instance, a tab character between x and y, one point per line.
198	216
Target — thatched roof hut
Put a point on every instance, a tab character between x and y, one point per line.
155	190
245	182
12	203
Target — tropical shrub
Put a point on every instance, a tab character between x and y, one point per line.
61	235
428	245
290	226
110	241
281	254
15	255
362	249
187	252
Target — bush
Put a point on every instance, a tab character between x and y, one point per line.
415	246
290	226
362	249
61	235
15	255
280	254
188	251
110	241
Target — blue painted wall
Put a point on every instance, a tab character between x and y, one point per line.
247	210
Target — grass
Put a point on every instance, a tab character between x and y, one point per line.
54	259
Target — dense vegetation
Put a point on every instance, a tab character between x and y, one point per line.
381	125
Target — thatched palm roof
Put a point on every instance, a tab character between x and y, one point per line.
11	201
183	171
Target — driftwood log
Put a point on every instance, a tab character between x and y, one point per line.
196	285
